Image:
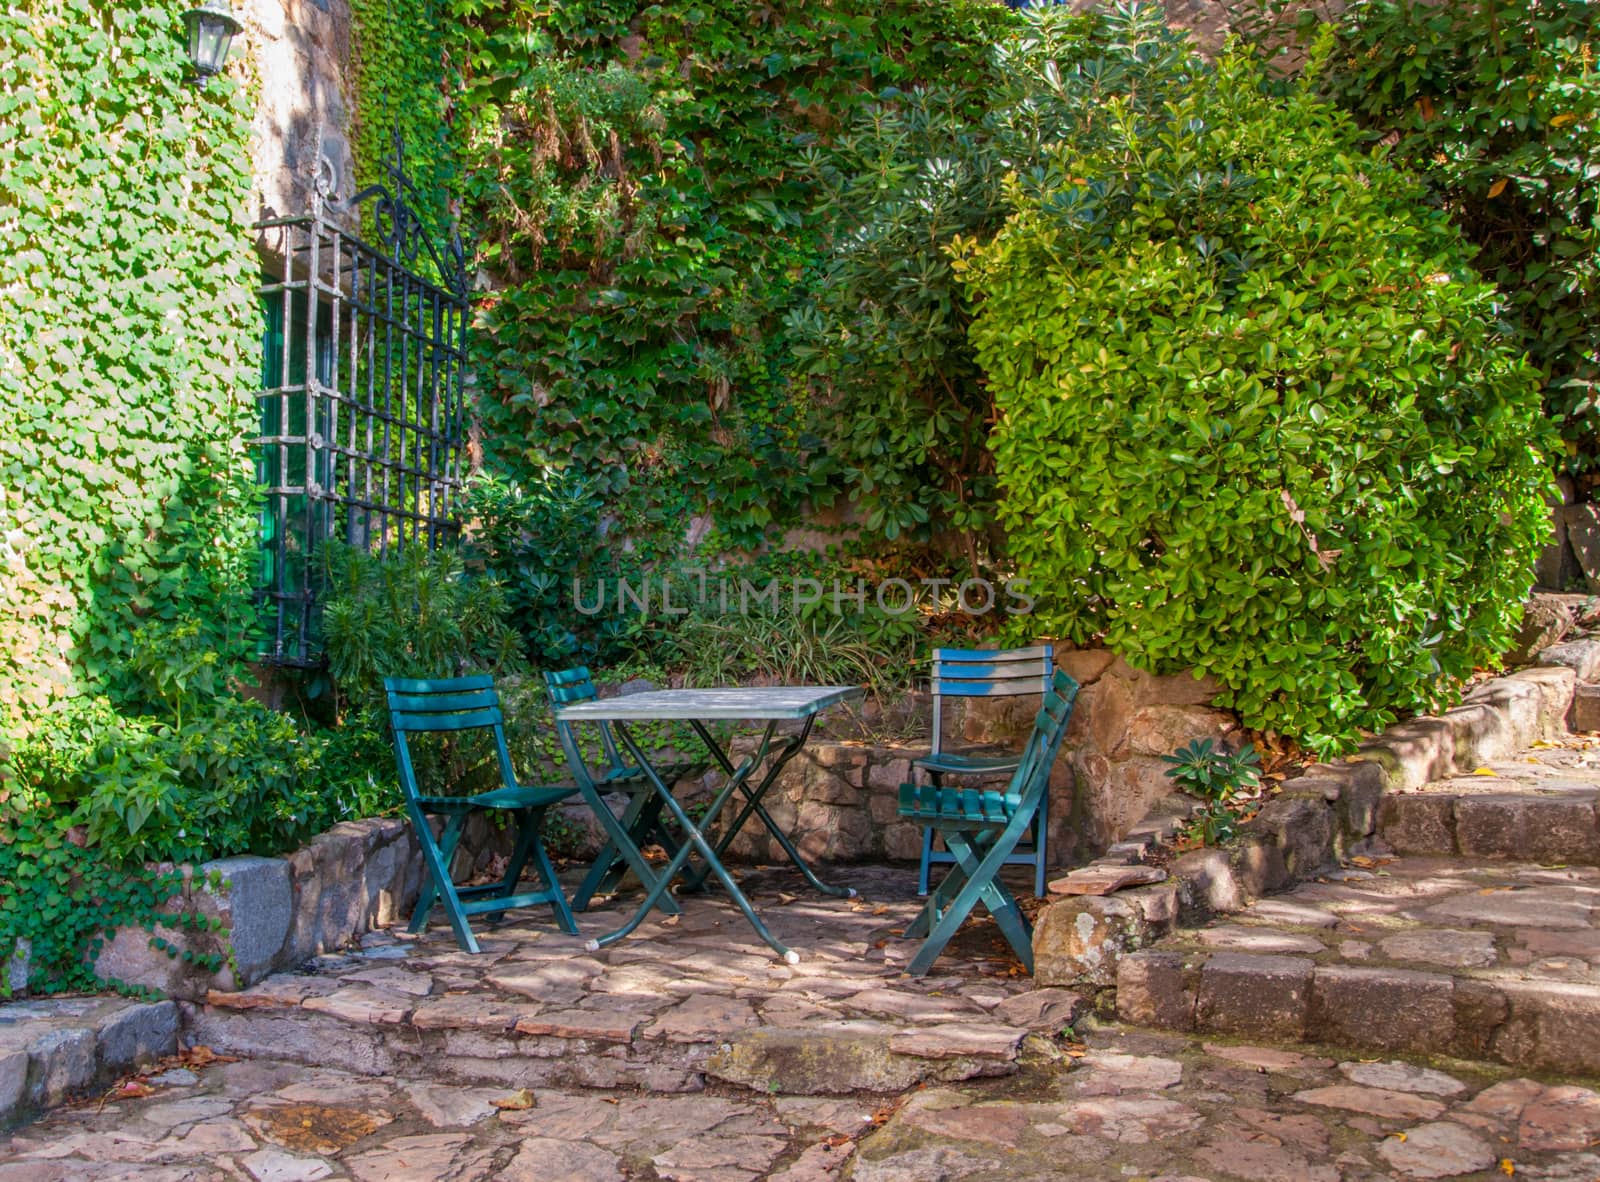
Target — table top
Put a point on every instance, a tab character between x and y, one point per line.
765	702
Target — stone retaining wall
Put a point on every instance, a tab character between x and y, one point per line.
837	800
1326	813
276	913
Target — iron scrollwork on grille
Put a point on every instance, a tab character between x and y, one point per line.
400	227
363	402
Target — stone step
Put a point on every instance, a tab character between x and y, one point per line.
667	1009
1482	960
53	1048
1493	816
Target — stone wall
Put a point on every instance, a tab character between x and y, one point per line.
301	52
275	913
837	800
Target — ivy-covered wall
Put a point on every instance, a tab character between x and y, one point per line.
129	343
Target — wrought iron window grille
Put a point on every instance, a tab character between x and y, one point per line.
362	415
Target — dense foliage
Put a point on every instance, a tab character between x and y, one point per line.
1254	418
1495	105
633	172
883	326
127	340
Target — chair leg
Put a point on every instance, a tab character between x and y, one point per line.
541	861
436	858
980	876
1000	903
1041	844
429	893
927	859
938	902
610	867
528	823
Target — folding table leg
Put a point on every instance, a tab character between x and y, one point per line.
753	804
695	840
618	838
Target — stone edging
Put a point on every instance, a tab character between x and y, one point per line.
1328	812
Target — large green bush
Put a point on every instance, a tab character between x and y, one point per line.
1495	105
882	329
1254	417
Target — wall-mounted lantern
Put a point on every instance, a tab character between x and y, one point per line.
211	30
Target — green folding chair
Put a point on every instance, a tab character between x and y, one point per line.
981	828
986	673
466	704
641	820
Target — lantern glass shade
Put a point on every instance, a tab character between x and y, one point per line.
211	31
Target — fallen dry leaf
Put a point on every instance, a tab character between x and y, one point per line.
519	1101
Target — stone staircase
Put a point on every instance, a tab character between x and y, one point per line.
680	1003
1479	938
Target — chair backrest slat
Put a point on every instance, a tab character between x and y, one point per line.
987	673
418	706
576	685
467	720
1049	728
427	704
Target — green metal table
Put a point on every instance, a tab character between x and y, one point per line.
698	707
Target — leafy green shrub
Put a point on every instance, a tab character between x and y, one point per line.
1495	104
61	899
540	541
414	614
1254	417
1222	779
883	329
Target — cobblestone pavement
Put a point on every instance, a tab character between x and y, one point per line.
1127	1105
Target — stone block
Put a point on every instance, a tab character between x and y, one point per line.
1257	864
13	1083
255	902
1256	995
1581	656
1161	729
1302	828
1552	1026
1208	883
1582	529
137	1034
1541	829
14	968
1585	712
1387	1009
1418	824
902	842
1152	991
1480	1010
1555	684
130	957
1085	665
1480	731
1546	620
329	893
1360	796
1108	708
889	773
1080	939
1414	753
61	1061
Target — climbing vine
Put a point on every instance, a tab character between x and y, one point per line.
634	173
398	55
126	347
